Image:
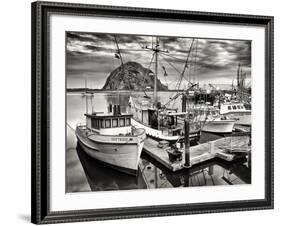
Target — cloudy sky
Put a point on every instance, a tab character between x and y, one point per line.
91	57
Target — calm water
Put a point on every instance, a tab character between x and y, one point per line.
84	173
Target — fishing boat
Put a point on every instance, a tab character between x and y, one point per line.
159	121
160	124
111	138
239	109
237	112
212	121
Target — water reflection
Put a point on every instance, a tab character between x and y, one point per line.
103	178
215	172
154	175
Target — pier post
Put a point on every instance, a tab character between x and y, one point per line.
250	153
183	103
250	136
186	143
212	146
86	98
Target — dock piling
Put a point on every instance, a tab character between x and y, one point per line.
186	143
212	146
183	103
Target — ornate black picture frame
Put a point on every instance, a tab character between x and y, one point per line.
41	11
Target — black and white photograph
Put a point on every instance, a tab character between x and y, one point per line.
149	112
140	112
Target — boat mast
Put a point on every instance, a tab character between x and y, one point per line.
238	80
185	65
86	96
156	71
156	50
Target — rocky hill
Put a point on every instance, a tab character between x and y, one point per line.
132	76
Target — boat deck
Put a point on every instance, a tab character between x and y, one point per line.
220	148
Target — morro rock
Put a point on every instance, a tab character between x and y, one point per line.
132	76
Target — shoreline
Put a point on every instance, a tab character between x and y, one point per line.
114	91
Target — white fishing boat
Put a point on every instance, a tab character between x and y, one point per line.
237	112
238	109
218	125
212	121
158	123
111	139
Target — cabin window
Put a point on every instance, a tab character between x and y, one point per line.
128	121
234	107
121	122
107	123
115	122
101	123
95	124
171	120
229	107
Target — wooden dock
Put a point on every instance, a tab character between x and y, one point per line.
240	128
198	153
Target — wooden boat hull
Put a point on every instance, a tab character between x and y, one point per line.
218	126
119	152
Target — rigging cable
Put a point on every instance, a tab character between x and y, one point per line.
147	73
195	62
167	54
176	69
185	65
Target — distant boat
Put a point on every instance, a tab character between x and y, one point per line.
212	121
87	92
237	112
111	139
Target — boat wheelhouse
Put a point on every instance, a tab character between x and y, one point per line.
110	138
160	124
237	112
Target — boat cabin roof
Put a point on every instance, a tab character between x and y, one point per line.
176	113
107	121
233	106
108	115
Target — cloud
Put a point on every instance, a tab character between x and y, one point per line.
209	59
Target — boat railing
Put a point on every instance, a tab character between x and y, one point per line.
81	125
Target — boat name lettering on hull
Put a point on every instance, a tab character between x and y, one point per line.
120	139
